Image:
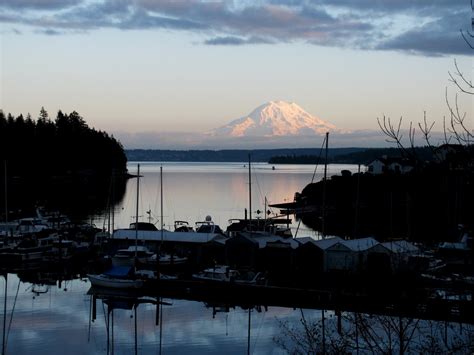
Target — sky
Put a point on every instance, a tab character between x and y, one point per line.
148	68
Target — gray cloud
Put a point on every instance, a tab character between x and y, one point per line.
387	6
235	41
414	26
435	38
50	32
38	4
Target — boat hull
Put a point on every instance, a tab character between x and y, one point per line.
108	282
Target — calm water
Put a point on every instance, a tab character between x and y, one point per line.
192	191
58	322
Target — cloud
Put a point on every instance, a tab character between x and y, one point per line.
236	41
38	4
188	140
436	38
50	32
414	26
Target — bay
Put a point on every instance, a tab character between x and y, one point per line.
192	191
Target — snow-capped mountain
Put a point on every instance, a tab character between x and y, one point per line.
275	118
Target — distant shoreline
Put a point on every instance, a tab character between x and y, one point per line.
355	155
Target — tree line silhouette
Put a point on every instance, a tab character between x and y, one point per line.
52	160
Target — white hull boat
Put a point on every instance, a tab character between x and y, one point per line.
117	277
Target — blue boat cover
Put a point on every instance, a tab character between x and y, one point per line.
118	271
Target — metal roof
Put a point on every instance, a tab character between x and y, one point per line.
168	236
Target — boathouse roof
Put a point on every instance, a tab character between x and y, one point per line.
320	243
361	244
400	246
264	240
168	236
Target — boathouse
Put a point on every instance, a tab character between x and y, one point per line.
202	247
349	255
310	255
242	251
401	252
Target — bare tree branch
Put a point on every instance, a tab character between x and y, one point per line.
426	131
463	84
459	129
467	39
395	135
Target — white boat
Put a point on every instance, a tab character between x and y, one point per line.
29	249
167	259
126	257
116	277
223	273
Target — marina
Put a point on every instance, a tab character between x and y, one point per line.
226	273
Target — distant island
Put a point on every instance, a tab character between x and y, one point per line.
359	156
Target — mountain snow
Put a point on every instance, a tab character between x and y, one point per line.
275	118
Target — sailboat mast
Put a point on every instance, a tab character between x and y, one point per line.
5	314
6	190
250	197
323	224
112	201
136	211
161	201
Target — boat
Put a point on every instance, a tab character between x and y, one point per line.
127	257
208	226
31	225
274	226
117	277
166	259
223	273
182	226
29	249
66	250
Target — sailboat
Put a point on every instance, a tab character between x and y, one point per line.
125	275
116	277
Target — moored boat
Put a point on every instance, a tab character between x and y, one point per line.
127	257
116	277
223	273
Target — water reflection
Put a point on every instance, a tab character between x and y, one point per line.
191	191
51	314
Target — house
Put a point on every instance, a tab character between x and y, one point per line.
376	167
389	165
